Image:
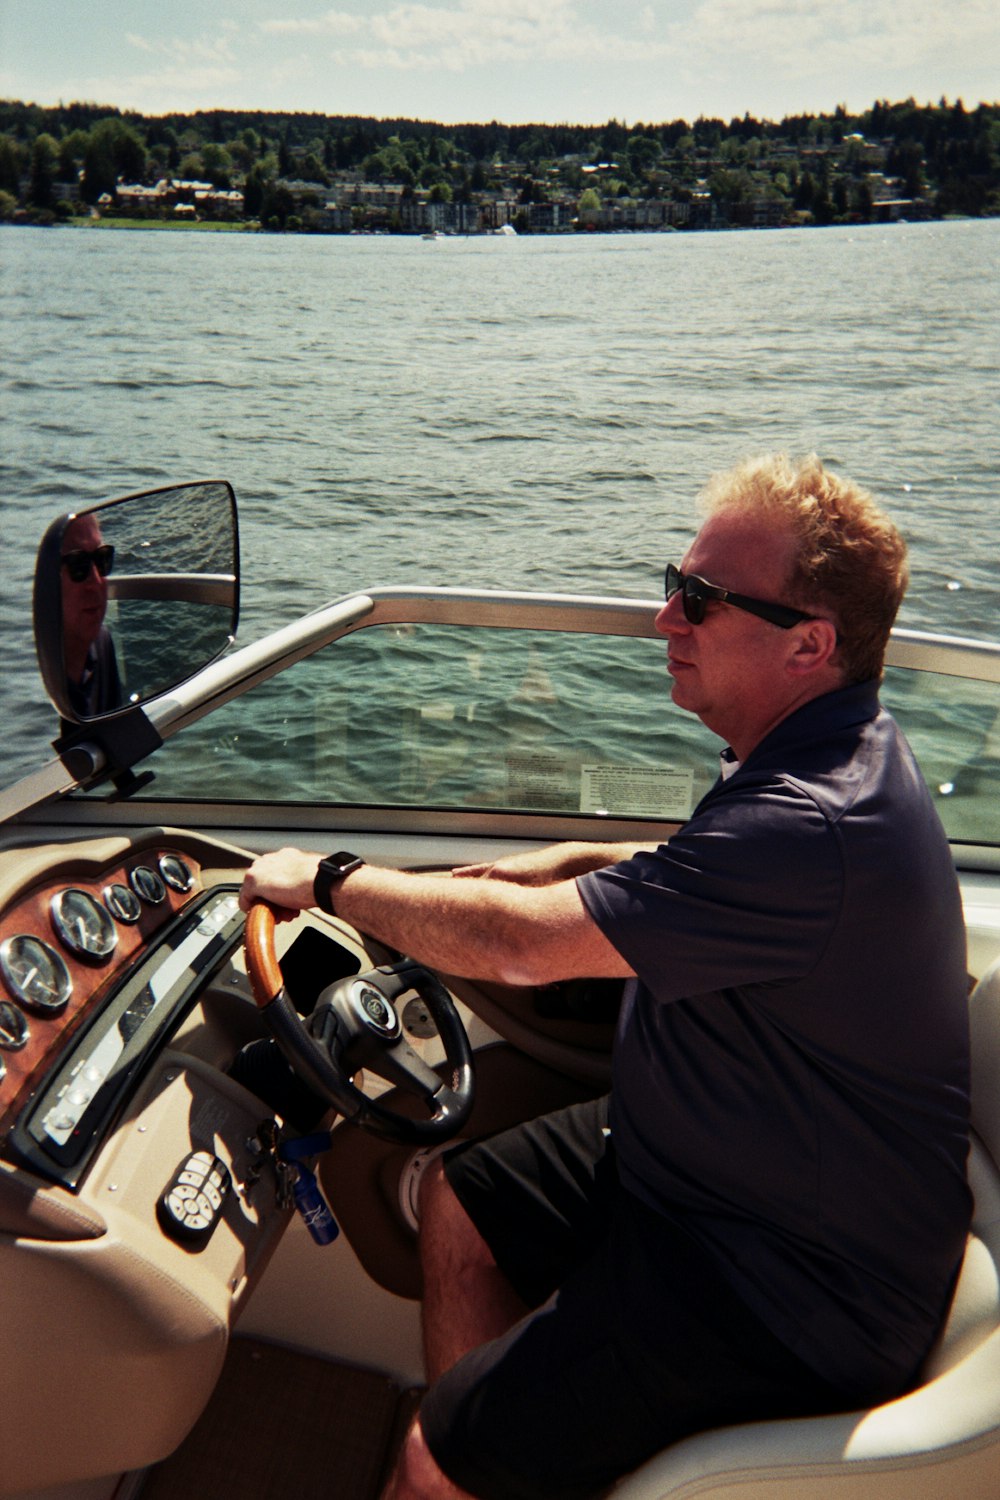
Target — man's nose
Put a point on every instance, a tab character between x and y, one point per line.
670	617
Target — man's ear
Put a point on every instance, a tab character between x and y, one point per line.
814	643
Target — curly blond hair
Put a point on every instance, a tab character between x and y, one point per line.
850	561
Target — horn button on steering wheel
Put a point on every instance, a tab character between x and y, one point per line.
375	1010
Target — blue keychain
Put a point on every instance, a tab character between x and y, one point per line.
306	1192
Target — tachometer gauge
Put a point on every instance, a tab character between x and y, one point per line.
176	872
14	1029
122	903
35	974
83	924
147	884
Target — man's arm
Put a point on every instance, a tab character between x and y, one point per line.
555	862
497	928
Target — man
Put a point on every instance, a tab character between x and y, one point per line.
768	1217
92	677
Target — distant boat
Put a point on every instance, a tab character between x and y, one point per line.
508	230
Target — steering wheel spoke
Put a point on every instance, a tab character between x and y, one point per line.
355	1025
406	1069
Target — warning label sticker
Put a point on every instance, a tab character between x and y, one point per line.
636	791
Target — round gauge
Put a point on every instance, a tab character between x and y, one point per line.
122	902
83	924
14	1027
35	974
147	884
176	872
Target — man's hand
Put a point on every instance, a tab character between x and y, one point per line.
283	878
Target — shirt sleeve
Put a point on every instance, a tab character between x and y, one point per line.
748	892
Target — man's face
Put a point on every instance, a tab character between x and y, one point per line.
731	669
83	604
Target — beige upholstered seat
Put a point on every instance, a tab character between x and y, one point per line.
940	1442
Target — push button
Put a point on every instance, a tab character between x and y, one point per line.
191	1204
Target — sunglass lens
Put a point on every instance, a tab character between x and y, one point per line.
694	604
78	564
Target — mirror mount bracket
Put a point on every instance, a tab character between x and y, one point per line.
108	748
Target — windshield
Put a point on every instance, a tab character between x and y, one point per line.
495	719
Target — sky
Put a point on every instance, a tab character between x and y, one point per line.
516	61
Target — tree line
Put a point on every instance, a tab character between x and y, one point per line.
945	154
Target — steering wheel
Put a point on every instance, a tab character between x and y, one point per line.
355	1025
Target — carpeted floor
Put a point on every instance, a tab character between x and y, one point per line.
287	1426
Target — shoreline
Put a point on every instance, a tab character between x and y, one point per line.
208	226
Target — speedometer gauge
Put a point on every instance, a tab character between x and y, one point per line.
34	973
83	924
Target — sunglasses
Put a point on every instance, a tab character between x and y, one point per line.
79	563
695	594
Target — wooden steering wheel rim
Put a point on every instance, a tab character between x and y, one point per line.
265	977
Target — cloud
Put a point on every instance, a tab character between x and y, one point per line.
192	52
473	33
333	23
814	37
531	59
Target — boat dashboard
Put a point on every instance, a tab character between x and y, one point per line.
138	1209
139	1206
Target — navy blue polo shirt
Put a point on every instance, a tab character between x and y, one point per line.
790	1075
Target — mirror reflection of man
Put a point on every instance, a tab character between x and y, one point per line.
92	676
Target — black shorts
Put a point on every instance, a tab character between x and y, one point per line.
635	1341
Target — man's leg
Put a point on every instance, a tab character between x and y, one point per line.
416	1475
467	1299
644	1343
466	1302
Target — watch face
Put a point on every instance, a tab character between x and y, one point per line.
331	872
341	863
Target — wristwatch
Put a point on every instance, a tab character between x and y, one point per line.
331	872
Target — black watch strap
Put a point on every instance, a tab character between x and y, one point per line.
331	872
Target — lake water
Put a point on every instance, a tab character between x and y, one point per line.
518	413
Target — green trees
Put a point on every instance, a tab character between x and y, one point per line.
807	168
217	164
113	150
733	192
588	209
44	165
11	159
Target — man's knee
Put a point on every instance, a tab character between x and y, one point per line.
445	1227
434	1189
418	1476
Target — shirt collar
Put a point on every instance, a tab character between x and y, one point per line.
820	718
728	764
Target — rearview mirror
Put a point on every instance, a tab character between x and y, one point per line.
135	596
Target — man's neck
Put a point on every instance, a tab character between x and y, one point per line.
743	739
